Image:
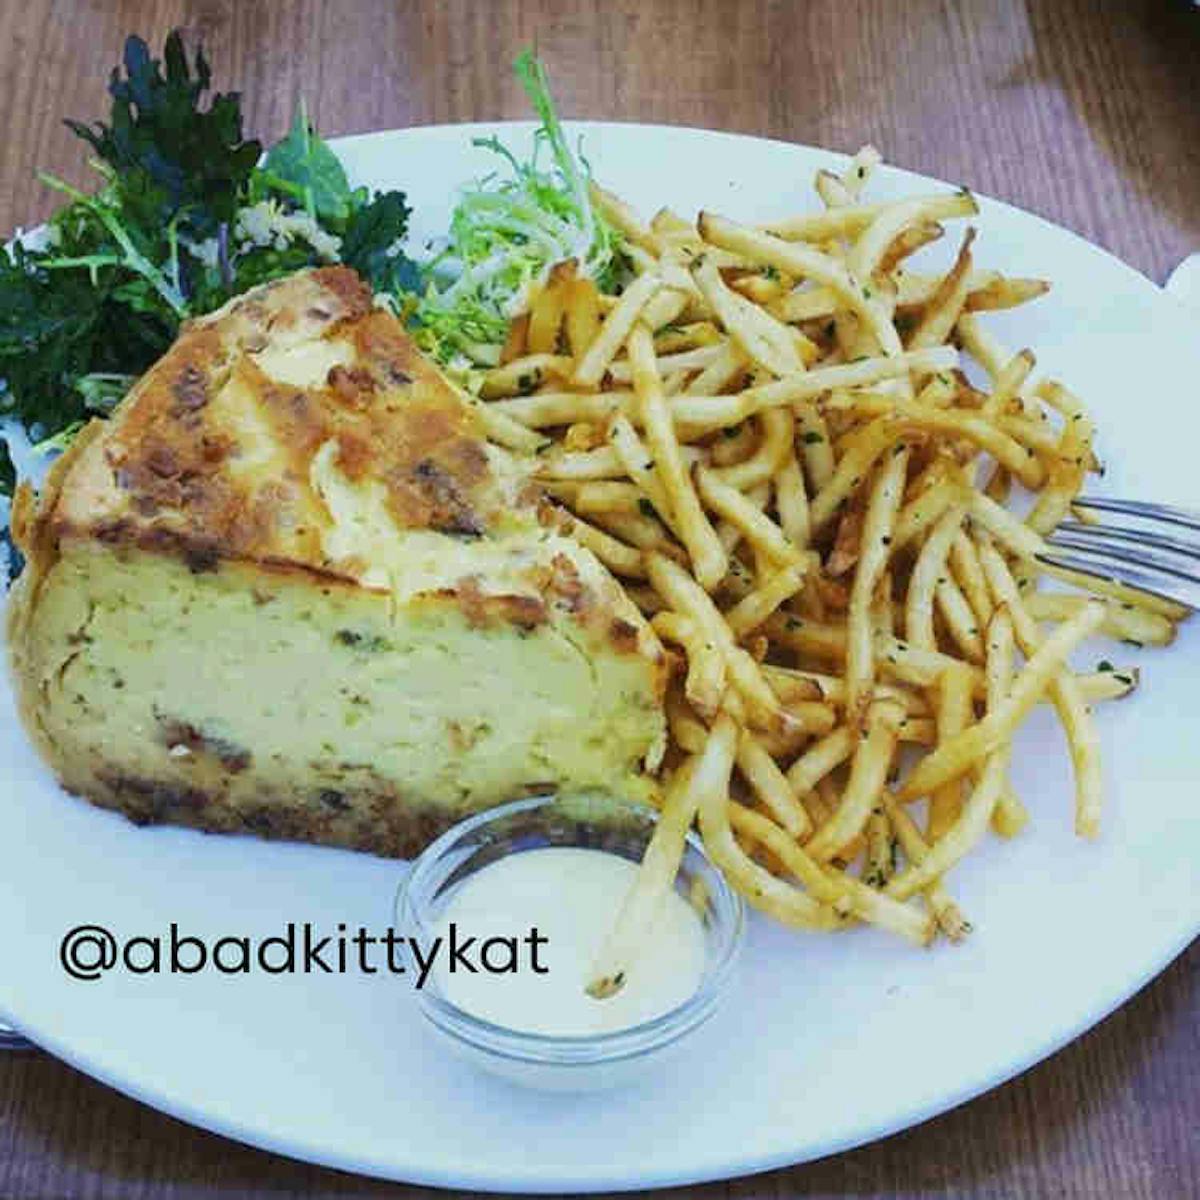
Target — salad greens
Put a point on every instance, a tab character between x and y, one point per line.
185	218
190	212
507	231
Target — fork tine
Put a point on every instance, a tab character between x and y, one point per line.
1164	513
1181	589
1097	543
1121	534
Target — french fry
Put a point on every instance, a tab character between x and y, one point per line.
1097	686
720	372
686	596
589	369
958	618
954	714
1008	383
705	414
1006	293
967	570
546	310
546	409
1114	589
858	457
620	216
817	762
517	342
998	521
582	319
958	755
929	567
841	891
771	786
965	830
763	534
868	774
947	302
955	423
604	496
852	221
505	431
756	606
690	522
768	458
614	554
877	869
907	243
787	904
635	458
655	878
602	463
694	359
705	683
791	499
874	552
1076	718
947	914
1068	473
803	262
523	375
762	338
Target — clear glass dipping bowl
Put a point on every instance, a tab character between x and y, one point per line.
576	1063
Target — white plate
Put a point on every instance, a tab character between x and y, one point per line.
827	1041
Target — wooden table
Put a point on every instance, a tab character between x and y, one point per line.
1088	113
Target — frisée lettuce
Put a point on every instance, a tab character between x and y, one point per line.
507	231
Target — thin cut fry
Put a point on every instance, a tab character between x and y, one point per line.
961	753
966	830
787	904
868	773
691	523
1082	736
874	551
643	902
589	370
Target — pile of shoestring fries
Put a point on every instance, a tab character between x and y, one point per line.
771	439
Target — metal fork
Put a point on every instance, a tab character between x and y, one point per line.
1152	556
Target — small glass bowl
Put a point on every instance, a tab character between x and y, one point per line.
571	1063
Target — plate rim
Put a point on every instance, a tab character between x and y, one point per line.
467	1176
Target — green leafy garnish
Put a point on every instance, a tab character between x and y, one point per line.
371	244
304	166
183	219
507	231
170	154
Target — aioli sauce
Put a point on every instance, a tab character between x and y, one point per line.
571	896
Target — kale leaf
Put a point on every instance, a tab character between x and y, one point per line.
184	219
371	244
57	327
170	154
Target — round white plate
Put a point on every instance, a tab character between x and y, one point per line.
826	1042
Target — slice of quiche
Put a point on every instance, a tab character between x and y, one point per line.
289	588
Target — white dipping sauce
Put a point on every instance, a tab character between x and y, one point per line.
571	896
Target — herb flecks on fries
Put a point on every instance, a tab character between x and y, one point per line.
799	453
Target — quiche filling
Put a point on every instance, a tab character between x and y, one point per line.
290	589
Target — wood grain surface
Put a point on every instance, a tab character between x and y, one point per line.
1085	111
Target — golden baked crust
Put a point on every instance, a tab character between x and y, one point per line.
294	484
212	450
